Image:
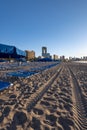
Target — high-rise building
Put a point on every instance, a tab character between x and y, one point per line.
30	55
55	57
84	57
44	52
62	58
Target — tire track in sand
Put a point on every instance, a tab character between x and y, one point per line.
79	104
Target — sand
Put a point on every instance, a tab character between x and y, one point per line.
54	99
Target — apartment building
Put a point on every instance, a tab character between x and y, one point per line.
30	55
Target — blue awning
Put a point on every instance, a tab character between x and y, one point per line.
4	85
11	50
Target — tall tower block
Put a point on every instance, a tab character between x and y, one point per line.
44	51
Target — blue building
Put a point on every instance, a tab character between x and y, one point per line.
7	51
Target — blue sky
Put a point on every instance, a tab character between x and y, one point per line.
60	25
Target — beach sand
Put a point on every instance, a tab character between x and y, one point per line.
28	105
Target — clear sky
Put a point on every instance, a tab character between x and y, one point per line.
60	25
